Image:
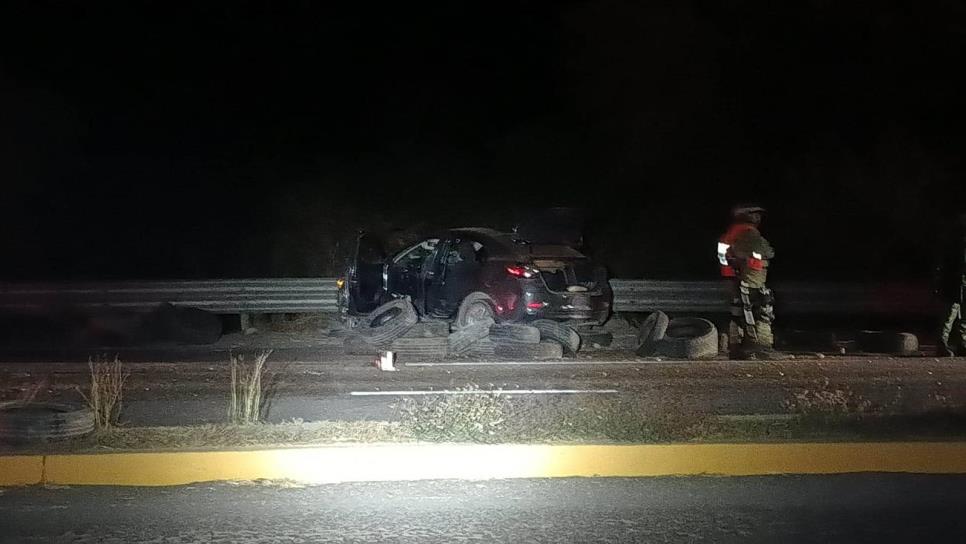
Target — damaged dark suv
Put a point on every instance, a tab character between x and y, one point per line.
468	274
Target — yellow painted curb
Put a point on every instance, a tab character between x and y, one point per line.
443	461
21	469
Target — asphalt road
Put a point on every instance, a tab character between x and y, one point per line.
844	508
314	388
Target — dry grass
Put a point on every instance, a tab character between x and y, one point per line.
231	436
106	393
471	417
824	402
496	417
588	428
250	395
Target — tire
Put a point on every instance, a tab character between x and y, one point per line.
892	343
651	332
433	348
475	307
484	348
602	339
537	351
354	344
387	322
462	340
689	338
514	332
559	333
21	422
428	329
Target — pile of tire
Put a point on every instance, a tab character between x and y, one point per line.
476	334
680	338
396	327
539	340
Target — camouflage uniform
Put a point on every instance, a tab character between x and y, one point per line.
749	255
952	290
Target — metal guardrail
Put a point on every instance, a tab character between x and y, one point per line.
282	295
295	295
792	298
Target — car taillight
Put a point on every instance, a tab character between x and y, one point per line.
536	305
522	271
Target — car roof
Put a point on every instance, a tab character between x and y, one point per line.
502	245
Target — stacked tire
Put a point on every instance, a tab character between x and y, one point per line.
680	338
394	326
524	342
465	340
476	334
689	338
387	322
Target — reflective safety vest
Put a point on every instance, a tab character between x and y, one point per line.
755	262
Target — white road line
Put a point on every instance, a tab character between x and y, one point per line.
529	363
482	392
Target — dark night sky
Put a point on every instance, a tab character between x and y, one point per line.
251	138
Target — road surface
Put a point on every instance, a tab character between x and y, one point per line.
844	508
313	387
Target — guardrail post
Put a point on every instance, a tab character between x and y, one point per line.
245	319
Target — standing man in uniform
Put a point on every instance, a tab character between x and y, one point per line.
729	275
952	290
743	254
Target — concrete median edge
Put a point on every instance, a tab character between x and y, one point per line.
391	462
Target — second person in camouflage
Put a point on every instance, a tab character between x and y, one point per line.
749	255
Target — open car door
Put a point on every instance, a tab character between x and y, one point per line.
365	288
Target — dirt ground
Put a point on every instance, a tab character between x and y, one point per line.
177	385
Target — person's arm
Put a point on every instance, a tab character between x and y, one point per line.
749	243
766	250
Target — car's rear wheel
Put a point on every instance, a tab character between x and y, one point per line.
476	308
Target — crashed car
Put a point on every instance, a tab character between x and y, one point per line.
472	274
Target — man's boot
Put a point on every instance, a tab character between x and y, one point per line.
761	346
736	337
